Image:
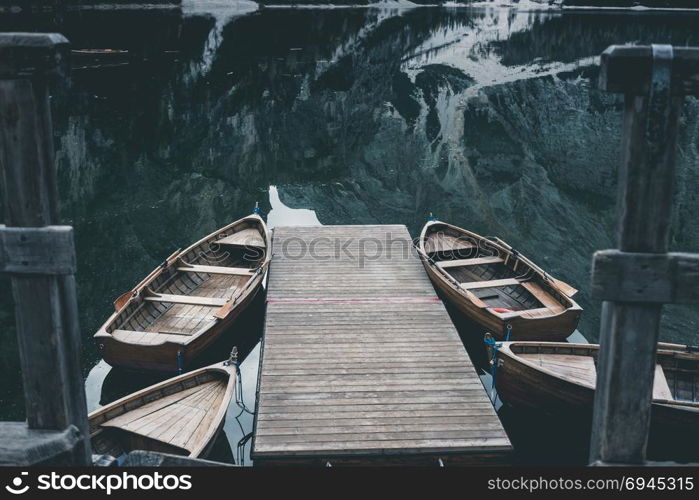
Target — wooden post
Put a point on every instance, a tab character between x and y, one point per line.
40	258
654	80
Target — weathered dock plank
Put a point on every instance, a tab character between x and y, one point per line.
360	362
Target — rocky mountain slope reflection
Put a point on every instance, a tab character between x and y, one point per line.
487	117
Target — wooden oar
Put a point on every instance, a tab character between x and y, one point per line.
228	306
124	298
564	287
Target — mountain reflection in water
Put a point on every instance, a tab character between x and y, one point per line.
487	117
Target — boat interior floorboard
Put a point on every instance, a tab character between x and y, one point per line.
183	319
220	286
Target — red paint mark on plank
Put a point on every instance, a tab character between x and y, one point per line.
368	299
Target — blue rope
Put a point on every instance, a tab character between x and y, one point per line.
495	346
239	401
493	361
489	341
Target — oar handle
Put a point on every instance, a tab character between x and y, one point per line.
124	298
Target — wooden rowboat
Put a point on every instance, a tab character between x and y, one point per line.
182	415
188	301
496	286
559	379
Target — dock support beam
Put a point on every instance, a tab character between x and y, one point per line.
654	80
40	258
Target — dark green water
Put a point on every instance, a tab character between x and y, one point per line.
487	117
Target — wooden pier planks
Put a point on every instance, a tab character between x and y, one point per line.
360	361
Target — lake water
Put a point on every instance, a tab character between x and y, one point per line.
486	116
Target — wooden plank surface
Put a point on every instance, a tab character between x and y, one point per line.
360	358
177	418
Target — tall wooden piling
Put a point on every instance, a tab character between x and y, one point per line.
39	255
654	80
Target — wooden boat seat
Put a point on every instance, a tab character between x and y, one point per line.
176	419
186	299
661	389
148	337
440	242
546	299
580	369
565	288
490	284
135	441
132	334
542	312
237	271
245	238
446	264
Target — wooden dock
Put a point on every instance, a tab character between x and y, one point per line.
360	361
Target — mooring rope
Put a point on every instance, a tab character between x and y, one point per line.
240	449
179	362
239	401
489	340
